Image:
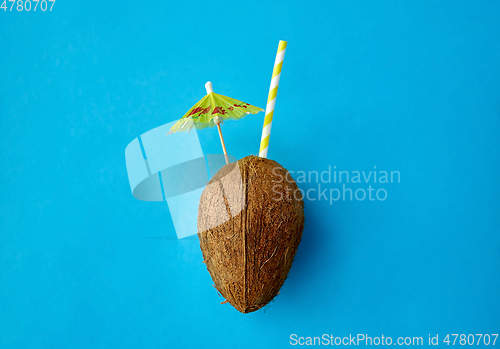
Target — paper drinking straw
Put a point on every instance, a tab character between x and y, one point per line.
271	99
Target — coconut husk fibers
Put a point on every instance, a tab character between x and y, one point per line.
250	224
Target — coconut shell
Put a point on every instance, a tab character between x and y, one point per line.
250	223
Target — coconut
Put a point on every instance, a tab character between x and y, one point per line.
250	223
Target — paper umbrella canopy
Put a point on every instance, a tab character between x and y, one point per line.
212	110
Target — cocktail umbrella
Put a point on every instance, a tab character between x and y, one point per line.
211	111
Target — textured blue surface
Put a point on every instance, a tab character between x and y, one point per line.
409	87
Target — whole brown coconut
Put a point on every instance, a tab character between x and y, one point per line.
250	222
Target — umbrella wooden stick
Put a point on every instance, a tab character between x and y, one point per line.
208	87
223	145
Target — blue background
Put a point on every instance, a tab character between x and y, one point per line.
410	87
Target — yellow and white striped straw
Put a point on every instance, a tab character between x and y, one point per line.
271	99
